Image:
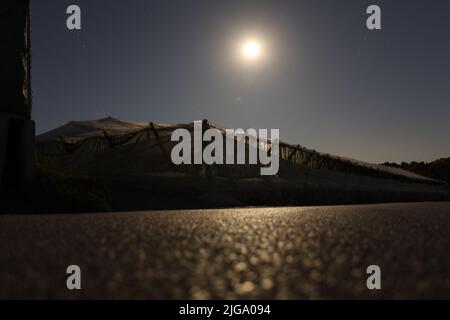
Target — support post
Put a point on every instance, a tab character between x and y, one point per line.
209	169
161	145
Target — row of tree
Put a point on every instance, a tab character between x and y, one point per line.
439	169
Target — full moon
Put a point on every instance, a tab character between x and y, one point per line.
251	50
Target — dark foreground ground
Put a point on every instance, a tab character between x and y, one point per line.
293	253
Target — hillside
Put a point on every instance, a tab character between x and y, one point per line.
439	169
91	128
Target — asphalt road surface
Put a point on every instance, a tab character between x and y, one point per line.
282	253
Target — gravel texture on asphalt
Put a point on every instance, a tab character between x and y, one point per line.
261	253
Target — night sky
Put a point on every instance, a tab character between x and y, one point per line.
325	80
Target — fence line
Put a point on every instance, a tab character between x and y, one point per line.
293	156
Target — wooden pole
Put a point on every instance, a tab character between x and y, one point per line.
209	170
161	145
